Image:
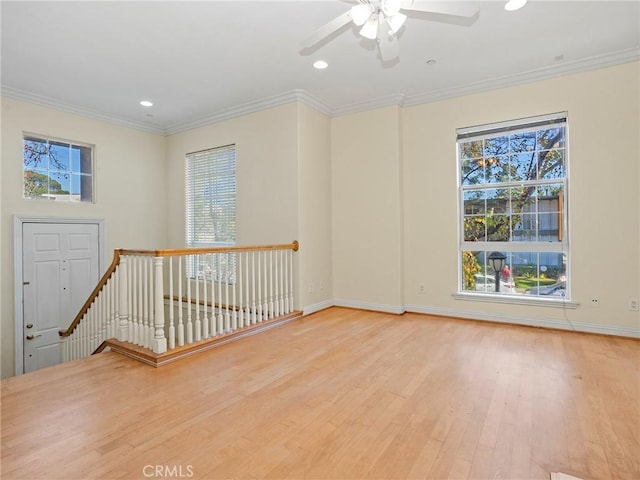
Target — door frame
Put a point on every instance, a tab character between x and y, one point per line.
18	221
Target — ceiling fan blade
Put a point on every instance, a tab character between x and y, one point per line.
459	9
327	29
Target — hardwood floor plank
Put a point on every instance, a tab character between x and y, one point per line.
339	394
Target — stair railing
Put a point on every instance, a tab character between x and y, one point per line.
163	299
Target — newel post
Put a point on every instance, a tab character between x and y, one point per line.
159	340
123	300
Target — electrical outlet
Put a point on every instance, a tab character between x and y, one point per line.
595	302
421	289
633	304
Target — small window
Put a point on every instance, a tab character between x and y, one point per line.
57	170
512	180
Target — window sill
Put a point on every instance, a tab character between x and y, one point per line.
517	300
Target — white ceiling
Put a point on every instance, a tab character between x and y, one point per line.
202	61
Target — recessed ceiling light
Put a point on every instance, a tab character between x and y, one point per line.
146	103
320	64
431	62
512	5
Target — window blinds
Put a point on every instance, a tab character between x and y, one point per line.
211	197
532	123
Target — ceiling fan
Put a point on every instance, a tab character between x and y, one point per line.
380	20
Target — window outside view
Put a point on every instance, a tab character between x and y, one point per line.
513	213
57	170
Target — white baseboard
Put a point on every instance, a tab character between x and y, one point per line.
316	307
599	328
528	321
377	307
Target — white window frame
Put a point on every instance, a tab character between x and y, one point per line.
560	246
85	172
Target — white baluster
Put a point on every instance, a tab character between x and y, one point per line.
278	299
73	348
227	317
97	334
159	340
135	301
221	329
130	289
106	293
239	281
233	278
205	318
180	324
144	340
85	335
247	312
214	330
253	288
172	328
271	309
189	324
259	316
290	290
198	324
123	314
112	331
89	325
141	301
151	300
265	307
282	255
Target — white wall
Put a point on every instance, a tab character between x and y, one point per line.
282	182
603	110
367	210
316	274
129	189
266	174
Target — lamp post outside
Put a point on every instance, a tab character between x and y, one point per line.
497	262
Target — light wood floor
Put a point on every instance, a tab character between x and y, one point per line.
342	394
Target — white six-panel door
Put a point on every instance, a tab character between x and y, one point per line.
60	269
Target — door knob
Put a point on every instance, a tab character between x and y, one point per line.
31	337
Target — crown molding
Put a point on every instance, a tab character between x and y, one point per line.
36	99
389	100
544	73
299	95
252	107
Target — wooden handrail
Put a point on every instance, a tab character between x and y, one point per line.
175	252
163	253
103	281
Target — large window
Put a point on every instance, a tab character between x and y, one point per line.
513	184
211	209
57	170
